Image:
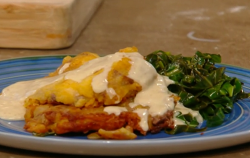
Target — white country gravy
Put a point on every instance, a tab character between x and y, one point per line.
154	96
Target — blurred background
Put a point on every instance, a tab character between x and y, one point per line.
181	27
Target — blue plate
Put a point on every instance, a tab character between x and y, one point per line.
235	129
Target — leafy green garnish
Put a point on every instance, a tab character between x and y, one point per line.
189	125
43	134
200	85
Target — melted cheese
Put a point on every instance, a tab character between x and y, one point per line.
143	114
63	68
114	110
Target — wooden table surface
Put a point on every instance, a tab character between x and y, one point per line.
181	27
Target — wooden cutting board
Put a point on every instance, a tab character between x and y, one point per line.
43	24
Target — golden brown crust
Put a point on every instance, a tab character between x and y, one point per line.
161	122
63	119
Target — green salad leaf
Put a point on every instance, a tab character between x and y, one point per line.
200	85
44	134
189	124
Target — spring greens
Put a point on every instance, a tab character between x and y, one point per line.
200	85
